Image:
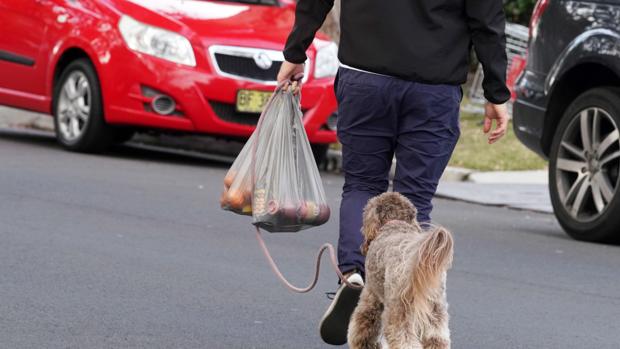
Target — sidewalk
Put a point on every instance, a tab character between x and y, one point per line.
531	197
15	118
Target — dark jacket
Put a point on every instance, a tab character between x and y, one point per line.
421	40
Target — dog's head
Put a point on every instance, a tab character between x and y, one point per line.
382	209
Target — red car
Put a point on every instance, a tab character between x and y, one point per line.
104	68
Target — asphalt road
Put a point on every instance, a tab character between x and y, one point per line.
130	250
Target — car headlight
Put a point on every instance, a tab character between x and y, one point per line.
157	42
326	62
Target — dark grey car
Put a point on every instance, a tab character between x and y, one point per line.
568	110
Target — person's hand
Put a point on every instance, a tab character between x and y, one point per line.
499	113
290	75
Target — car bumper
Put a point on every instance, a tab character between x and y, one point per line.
529	111
205	100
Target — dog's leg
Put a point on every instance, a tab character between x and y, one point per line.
398	327
437	335
365	323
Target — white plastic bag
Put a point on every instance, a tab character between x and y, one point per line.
275	178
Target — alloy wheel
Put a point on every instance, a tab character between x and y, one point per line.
588	163
74	105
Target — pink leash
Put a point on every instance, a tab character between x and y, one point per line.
323	248
276	270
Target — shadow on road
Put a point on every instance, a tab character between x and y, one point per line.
168	155
132	151
27	136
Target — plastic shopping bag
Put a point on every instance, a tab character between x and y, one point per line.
275	178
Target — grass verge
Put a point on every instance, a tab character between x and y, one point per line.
508	154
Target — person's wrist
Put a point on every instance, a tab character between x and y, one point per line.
294	58
498	107
495	103
293	65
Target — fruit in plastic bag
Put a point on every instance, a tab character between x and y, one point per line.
324	213
230	177
235	198
275	172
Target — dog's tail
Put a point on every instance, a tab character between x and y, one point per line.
432	259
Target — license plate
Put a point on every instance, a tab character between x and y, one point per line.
250	101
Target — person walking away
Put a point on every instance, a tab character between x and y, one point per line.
398	91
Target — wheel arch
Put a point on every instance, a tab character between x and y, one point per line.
67	51
572	83
69	55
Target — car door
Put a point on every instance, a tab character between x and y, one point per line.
22	42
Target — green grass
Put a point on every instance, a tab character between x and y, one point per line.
508	154
473	152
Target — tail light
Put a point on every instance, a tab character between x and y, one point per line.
517	67
539	9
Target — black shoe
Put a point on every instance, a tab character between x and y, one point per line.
335	322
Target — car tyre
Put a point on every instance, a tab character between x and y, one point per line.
584	162
78	109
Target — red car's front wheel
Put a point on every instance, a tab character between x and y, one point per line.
78	109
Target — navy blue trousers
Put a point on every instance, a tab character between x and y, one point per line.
380	117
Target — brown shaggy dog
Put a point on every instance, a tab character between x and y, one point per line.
405	291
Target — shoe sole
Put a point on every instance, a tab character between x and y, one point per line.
335	322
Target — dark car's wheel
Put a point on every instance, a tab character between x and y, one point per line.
584	165
78	109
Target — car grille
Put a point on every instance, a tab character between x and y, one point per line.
227	112
246	67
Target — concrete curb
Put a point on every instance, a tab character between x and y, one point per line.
460	174
15	118
511	177
520	190
452	174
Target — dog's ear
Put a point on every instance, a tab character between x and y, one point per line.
414	216
371	223
364	247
